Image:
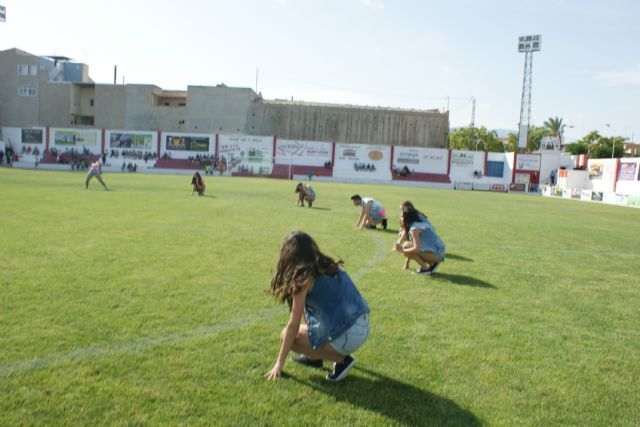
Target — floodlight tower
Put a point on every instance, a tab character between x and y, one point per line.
528	45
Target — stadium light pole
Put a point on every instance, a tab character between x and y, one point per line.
527	45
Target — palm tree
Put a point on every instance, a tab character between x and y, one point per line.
555	127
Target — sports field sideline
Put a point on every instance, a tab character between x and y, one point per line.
147	305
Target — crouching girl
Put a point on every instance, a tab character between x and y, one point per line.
423	246
337	316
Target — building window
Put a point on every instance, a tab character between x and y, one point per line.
27	91
33	70
23	70
495	169
91	102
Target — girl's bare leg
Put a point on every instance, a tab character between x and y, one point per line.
303	345
86	183
99	178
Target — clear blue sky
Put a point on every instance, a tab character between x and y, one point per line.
396	53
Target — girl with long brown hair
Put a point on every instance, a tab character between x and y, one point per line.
337	316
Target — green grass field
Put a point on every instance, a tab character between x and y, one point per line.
146	305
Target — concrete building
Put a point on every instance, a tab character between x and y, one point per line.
43	91
55	92
349	123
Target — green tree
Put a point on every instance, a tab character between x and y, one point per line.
598	146
534	138
459	139
512	142
481	140
576	148
555	127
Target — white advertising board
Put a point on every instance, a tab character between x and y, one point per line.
76	139
304	153
421	160
528	162
463	159
362	161
253	154
131	140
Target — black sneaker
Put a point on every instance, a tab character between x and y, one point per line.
304	360
340	370
425	271
434	267
384	223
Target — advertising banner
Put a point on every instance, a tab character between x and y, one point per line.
528	162
75	138
362	161
305	153
187	143
576	193
138	141
356	155
615	199
251	154
585	195
462	159
422	160
633	201
520	186
462	185
481	186
627	171
369	154
595	170
32	136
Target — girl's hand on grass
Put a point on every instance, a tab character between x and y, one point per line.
274	373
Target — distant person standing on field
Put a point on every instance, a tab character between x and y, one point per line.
94	170
372	213
305	193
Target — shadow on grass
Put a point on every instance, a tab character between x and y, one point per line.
391	230
459	279
393	399
458	257
320	208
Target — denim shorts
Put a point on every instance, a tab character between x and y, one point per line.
354	337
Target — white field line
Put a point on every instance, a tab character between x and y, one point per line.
199	332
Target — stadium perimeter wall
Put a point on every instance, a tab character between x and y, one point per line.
610	180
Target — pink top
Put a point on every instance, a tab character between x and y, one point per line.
95	165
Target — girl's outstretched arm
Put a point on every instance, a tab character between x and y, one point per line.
361	219
412	246
290	333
